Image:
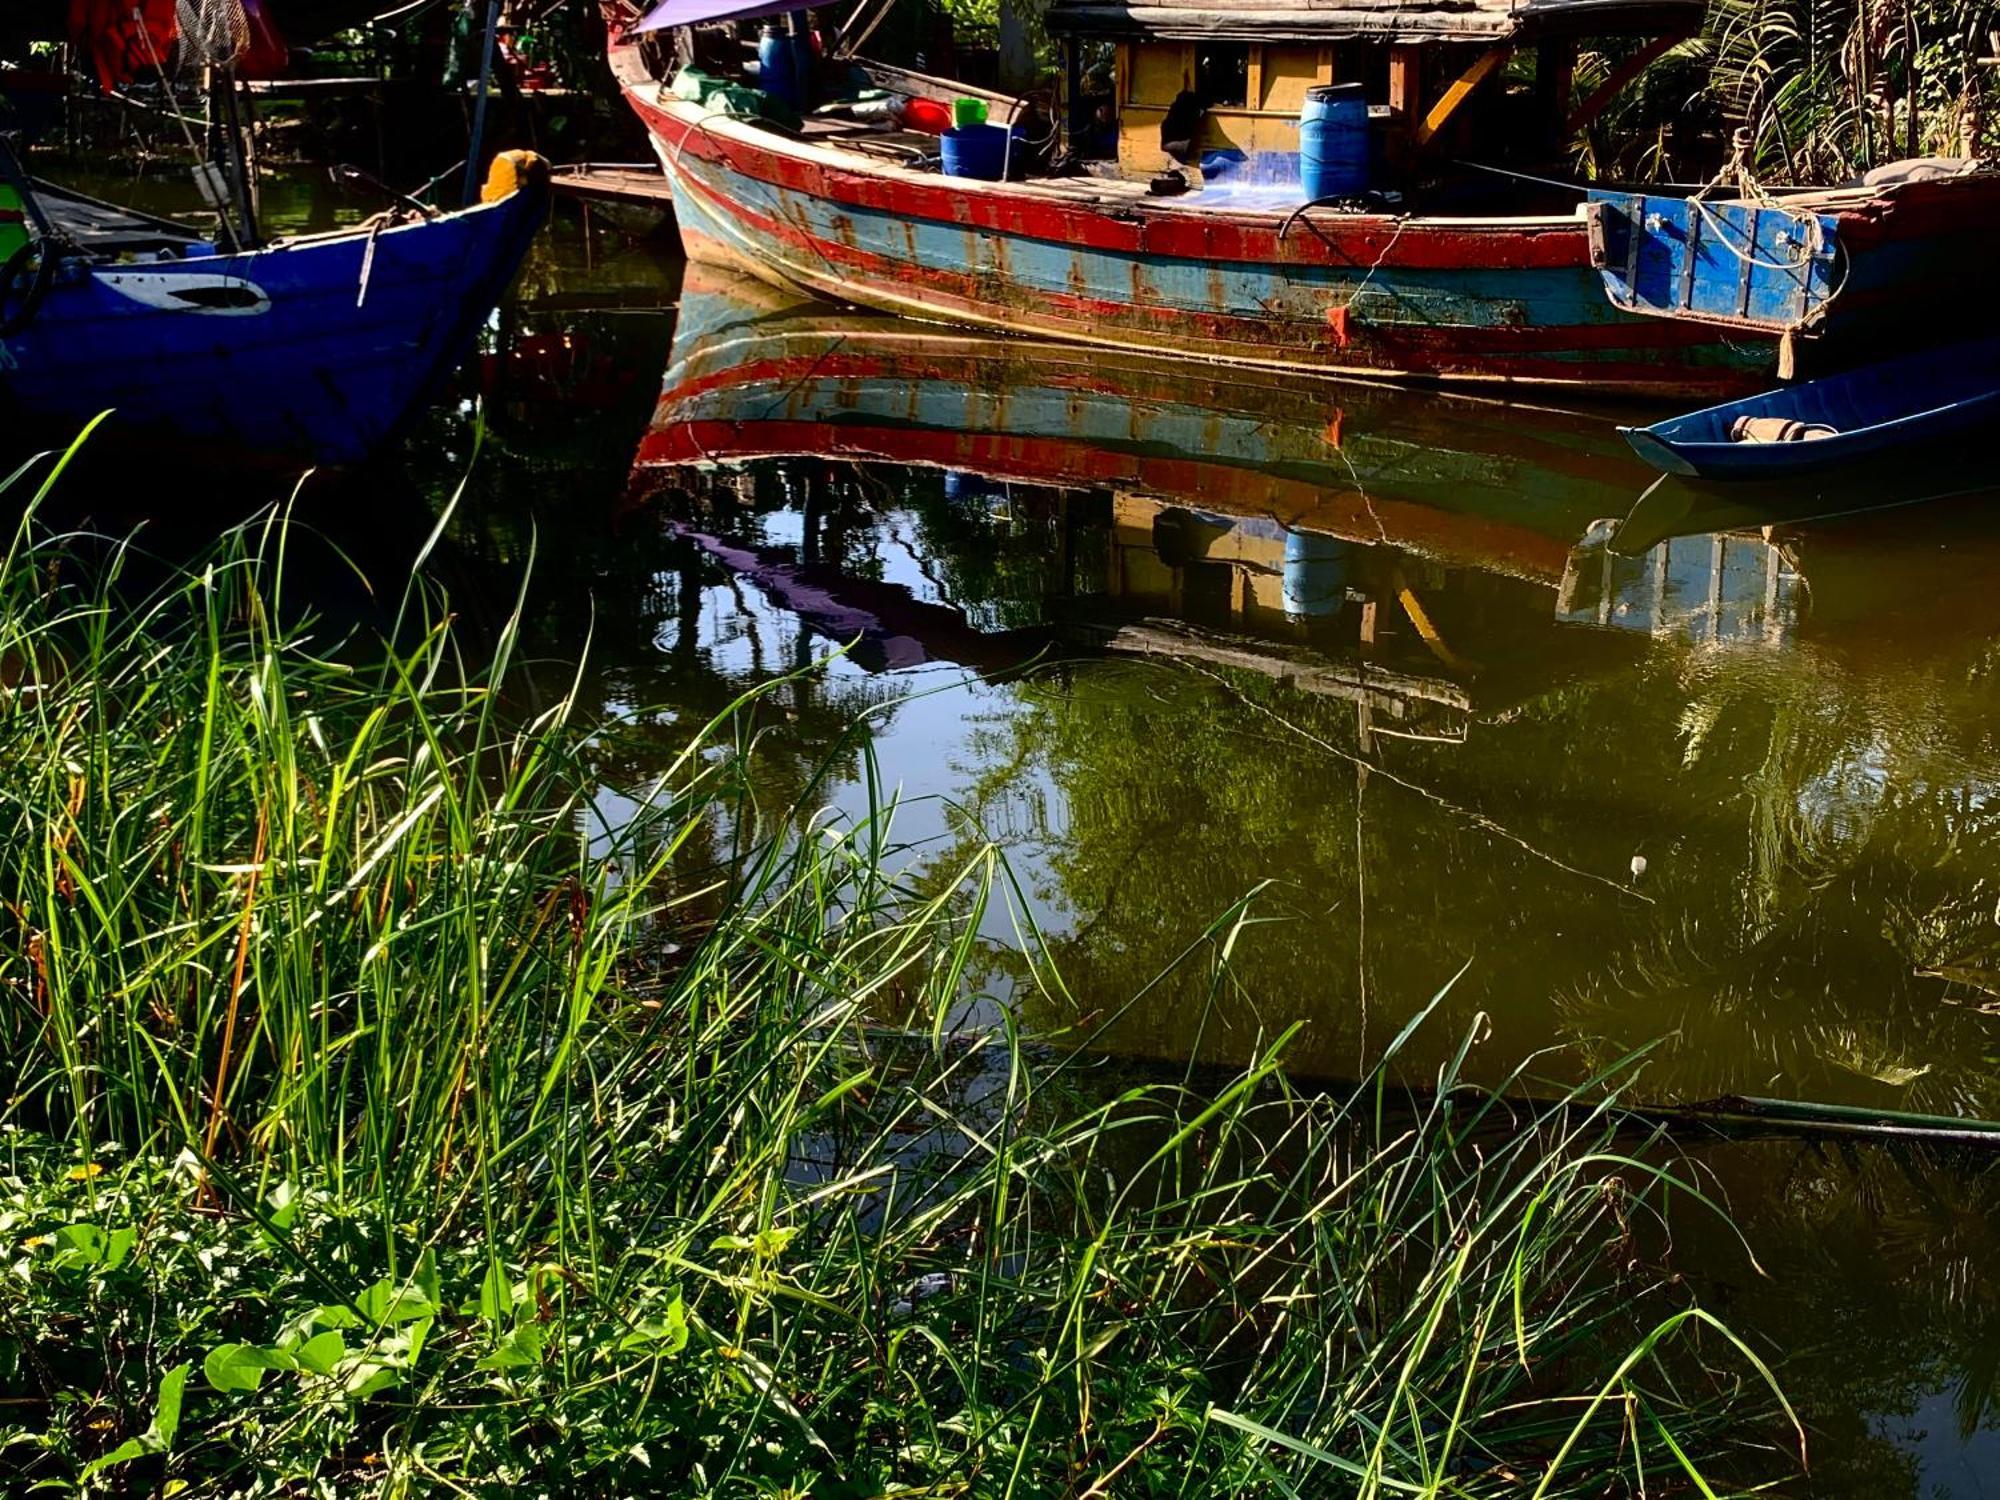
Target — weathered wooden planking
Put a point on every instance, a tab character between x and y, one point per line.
1469	299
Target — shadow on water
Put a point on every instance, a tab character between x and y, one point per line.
1194	631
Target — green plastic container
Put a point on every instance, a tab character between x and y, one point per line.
967	112
13	223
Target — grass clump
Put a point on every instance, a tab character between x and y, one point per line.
382	1121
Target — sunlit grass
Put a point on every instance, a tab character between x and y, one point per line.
380	1122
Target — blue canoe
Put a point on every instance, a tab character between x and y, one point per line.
310	351
1905	407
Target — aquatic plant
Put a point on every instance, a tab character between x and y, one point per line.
388	1115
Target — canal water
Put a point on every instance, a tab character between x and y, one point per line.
1302	704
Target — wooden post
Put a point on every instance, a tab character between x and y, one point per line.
1406	80
1364	719
477	148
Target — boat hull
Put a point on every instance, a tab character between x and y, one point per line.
1371	295
313	352
1890	419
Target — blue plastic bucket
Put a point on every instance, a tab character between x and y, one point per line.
1333	141
975	151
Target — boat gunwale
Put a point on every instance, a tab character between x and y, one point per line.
1113	205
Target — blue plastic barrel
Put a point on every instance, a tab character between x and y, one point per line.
778	68
976	151
1333	141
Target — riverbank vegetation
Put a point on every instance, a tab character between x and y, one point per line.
394	1107
1824	90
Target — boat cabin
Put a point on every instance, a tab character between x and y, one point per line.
1439	76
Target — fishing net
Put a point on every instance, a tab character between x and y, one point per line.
214	33
224	33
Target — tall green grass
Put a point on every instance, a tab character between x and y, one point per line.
381	1121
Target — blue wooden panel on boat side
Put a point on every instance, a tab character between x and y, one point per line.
1722	261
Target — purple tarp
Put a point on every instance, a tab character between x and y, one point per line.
696	12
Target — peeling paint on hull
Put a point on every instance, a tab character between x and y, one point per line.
1365	295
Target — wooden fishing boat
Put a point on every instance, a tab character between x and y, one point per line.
1471	277
304	351
1917	406
1235	270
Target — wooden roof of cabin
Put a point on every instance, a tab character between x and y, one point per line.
1378	20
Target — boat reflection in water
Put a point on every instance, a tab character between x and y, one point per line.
1720	587
1751	713
1219	517
1383	666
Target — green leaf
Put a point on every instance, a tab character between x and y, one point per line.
368	1380
167	1413
125	1452
241	1367
385	1304
667	1335
520	1350
80	1245
283	1205
770	1243
413	1338
426	1281
677	1325
157	1438
321	1352
496	1295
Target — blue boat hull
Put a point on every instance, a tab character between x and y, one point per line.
1918	406
311	352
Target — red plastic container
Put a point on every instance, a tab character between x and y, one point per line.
928	116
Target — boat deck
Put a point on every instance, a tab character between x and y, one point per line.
636	184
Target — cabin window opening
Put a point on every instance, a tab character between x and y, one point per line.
1365	63
1093	104
1222	74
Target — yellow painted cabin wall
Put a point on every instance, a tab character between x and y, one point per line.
1150	74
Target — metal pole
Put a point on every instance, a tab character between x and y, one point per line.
474	155
237	144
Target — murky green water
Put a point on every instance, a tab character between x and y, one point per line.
1349	663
